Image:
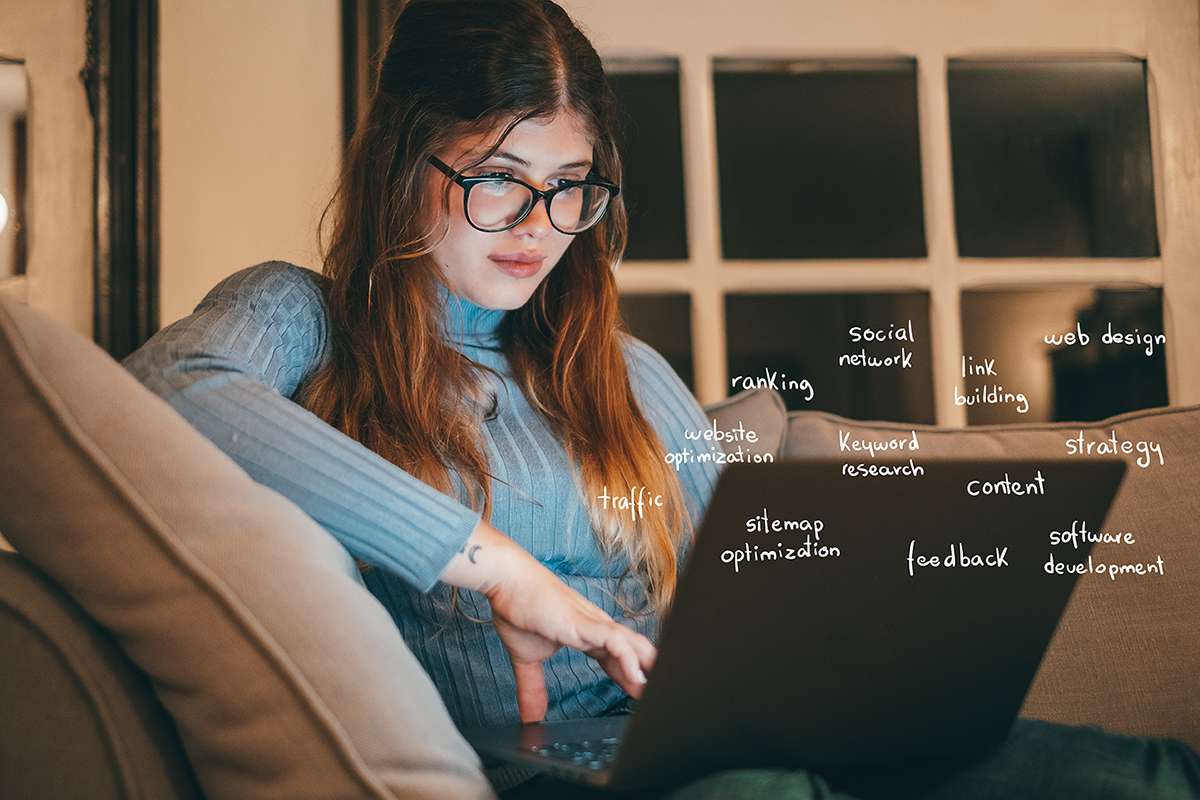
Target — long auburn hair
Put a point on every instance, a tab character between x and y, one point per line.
393	383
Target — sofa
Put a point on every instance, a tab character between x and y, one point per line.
169	628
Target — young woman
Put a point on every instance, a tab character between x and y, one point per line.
455	400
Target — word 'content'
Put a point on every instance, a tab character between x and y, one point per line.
1007	486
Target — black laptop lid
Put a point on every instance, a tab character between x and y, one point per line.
811	627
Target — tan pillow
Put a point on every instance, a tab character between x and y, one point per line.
285	677
760	410
1126	655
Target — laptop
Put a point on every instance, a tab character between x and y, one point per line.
831	622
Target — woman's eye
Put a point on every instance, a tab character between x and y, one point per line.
556	181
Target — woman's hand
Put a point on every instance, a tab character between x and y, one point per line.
535	614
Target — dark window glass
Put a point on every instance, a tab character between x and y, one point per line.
1048	345
804	337
663	321
818	159
1052	158
650	140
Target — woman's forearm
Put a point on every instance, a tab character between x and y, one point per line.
486	560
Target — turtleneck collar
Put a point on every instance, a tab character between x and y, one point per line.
468	323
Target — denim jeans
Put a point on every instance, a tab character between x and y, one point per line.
1038	761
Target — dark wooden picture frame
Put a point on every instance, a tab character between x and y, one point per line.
121	79
366	26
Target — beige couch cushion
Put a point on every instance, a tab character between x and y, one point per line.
284	676
1126	655
759	410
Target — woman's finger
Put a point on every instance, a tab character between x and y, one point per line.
629	659
622	662
646	651
531	690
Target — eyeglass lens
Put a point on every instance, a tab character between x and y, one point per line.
499	203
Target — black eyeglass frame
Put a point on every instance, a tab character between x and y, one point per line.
546	197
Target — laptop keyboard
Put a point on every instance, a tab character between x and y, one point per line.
588	753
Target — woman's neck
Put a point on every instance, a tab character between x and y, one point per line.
468	322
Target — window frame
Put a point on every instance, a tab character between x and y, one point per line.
1163	32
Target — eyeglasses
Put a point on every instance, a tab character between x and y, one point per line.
496	201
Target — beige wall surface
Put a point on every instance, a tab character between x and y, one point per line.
50	35
250	127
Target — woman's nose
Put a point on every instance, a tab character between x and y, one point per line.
538	221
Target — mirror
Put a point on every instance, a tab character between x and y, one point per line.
14	166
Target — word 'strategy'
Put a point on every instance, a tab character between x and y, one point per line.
1147	450
774	380
893	333
1080	337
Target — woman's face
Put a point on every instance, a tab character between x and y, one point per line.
539	153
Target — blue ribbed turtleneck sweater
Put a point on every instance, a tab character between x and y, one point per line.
232	366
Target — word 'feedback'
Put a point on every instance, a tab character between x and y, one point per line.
956	557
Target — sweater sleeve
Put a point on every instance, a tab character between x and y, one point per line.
231	367
671	408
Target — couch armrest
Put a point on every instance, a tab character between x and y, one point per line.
79	719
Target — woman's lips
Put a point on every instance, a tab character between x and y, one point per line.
518	269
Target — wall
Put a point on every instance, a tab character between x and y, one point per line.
50	36
249	105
